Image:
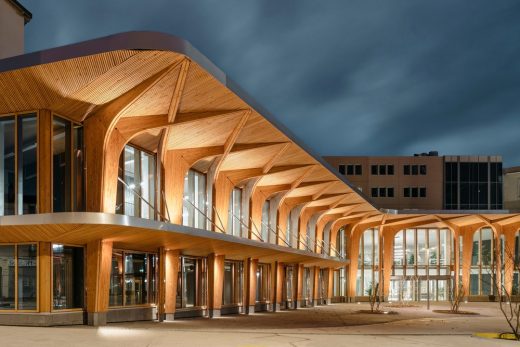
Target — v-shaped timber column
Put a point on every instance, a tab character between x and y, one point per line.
104	142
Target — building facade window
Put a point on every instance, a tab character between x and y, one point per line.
67	277
382	192
133	278
68	178
368	262
342	169
382	170
423	259
136	188
307	285
482	263
262	283
473	185
414	192
18	275
266	221
235	217
354	169
195	209
18	164
232	292
192	282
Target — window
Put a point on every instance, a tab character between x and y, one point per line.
382	192
415	192
422	192
406	192
18	165
18	277
418	252
382	169
482	263
415	170
133	278
342	169
67	166
350	169
406	169
368	262
136	188
262	283
233	283
390	169
195	200
358	170
67	277
422	169
191	282
235	218
373	169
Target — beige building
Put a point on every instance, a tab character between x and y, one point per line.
512	188
13	17
427	181
412	182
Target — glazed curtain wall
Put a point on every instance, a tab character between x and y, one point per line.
482	263
195	207
422	258
68	178
192	282
136	183
18	164
133	279
368	262
67	277
18	277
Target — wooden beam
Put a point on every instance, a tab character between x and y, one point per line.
275	157
177	91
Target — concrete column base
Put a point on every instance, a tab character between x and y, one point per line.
251	309
214	313
169	317
328	301
276	307
96	318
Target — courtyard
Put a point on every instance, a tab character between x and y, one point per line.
333	325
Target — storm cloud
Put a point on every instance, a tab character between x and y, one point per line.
347	77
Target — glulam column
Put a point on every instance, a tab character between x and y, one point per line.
99	261
215	284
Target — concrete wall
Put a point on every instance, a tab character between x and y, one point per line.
11	30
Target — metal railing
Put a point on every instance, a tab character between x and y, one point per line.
254	229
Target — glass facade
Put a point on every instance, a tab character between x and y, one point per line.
18	277
308	284
266	221
289	283
482	263
232	291
368	262
136	186
191	282
133	278
423	262
235	217
67	277
67	166
262	283
473	185
18	164
195	207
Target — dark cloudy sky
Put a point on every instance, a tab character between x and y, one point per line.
353	77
